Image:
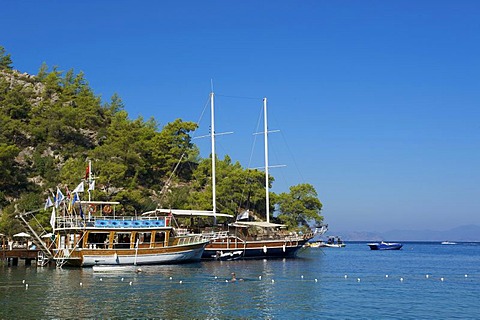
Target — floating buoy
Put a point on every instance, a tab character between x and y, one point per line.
259	277
273	281
426	276
23	281
401	279
441	279
216	277
226	280
171	278
122	279
345	276
316	280
466	276
101	279
81	284
130	283
301	276
26	286
180	282
386	276
358	279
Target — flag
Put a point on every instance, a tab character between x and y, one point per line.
52	219
91	186
59	198
69	200
76	198
48	203
79	188
87	173
243	215
81	211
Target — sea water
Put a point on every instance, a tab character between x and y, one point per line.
421	281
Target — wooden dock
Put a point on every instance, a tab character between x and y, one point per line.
14	255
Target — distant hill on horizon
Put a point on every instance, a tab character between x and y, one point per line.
465	233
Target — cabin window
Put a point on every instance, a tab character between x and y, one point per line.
97	240
159	238
121	240
143	239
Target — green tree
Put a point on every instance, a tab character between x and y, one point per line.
299	207
236	188
5	60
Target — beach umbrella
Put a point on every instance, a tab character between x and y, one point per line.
22	234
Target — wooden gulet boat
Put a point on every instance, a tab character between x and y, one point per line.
252	238
245	239
91	233
109	240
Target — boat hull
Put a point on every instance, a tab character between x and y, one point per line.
92	257
254	249
385	246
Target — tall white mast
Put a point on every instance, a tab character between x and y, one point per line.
212	135
89	178
265	133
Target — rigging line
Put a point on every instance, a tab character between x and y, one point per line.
238	97
167	183
259	119
203	112
293	158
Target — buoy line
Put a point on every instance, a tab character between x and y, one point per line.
347	278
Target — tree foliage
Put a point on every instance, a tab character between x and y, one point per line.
51	124
5	60
300	206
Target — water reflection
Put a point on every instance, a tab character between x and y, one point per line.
200	290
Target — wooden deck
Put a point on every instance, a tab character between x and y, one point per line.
14	255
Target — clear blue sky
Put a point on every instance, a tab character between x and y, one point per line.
378	102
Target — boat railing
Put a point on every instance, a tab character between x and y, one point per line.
211	235
75	222
190	239
182	231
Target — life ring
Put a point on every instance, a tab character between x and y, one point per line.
92	208
107	209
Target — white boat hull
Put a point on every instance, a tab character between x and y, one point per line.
163	258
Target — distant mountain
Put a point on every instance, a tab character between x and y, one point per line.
462	233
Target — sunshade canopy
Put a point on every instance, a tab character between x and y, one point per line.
22	234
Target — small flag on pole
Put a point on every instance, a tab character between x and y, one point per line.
243	215
48	203
52	219
59	198
91	186
79	188
76	198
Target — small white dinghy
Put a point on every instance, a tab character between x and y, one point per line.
110	269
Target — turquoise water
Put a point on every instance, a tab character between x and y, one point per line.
312	286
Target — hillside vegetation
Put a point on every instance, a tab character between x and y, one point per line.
52	123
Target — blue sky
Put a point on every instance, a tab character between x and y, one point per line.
377	101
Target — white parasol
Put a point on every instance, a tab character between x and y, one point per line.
22	234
